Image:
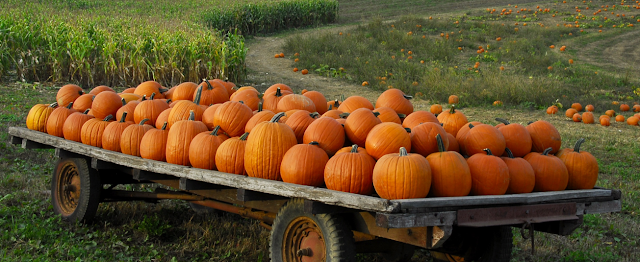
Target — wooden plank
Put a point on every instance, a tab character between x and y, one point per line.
603	207
360	202
188	184
28	144
447	218
245	195
530	198
315	207
61	153
147	175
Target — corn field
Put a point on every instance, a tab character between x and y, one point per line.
38	43
269	17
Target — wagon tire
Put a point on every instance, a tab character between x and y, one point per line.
322	237
483	245
75	190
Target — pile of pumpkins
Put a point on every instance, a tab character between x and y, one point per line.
350	145
605	120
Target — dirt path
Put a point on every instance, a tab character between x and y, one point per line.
620	54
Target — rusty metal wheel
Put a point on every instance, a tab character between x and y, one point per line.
300	237
75	190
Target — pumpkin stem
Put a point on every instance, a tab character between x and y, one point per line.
86	111
402	115
509	153
277	117
336	102
471	126
241	102
244	136
403	151
198	95
278	92
576	148
488	151
314	143
440	144
215	131
124	102
93	98
376	114
144	97
152	96
344	115
547	151
80	92
168	101
70	105
453	109
260	107
354	148
314	114
164	126
192	115
124	115
407	97
502	120
143	121
407	129
54	104
531	122
330	107
163	90
108	118
209	86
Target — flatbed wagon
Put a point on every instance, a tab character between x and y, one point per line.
318	224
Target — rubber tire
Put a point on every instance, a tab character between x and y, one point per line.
338	238
488	244
89	193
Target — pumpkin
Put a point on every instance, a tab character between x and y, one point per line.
98	89
203	148
318	100
304	164
386	138
248	97
154	143
570	112
358	125
402	176
551	173
72	127
149	109
208	114
129	90
462	135
423	138
212	93
242	89
636	108
632	121
56	119
271	99
482	137
544	135
68	93
577	106
577	117
450	174
230	86
453	144
149	87
327	132
266	146
342	121
287	114
552	110
354	102
258	118
39	115
582	167
589	108
419	117
179	139
129	108
624	107
295	101
275	87
230	155
452	121
350	172
83	102
396	100
333	113
516	136
587	118
169	94
453	99
522	179
181	110
232	117
435	109
299	122
619	118
610	113
347	149
132	136
490	175
128	97
163	117
605	121
92	131
105	103
333	104
386	114
113	132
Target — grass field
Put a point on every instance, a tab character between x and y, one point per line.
171	231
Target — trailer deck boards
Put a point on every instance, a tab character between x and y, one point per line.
34	139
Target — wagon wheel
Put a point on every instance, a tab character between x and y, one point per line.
75	190
477	244
300	237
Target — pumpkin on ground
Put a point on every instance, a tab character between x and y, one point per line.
358	125
304	164
266	146
582	167
396	100
452	121
620	118
39	115
490	175
386	138
552	110
72	127
450	174
67	94
92	130
327	132
453	99
517	138
230	155
589	108
154	144
544	135
56	119
610	113
522	179
632	121
402	176
132	136
350	172
203	148
435	109
423	138
587	118
605	121
179	139
551	173
624	107
113	132
577	106
570	112
577	117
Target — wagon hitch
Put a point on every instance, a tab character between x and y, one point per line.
528	225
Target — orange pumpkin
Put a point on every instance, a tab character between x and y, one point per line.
304	164
132	136
275	87
208	115
419	117
163	117
149	87
490	175
355	102
83	102
106	103
113	132
230	155
181	110
350	172
435	109
266	146
522	179
577	106
544	135
577	117
402	176
453	99
605	121
452	120
610	113
636	108
248	97
450	174
98	89
232	117
348	149
154	144
624	107
230	86
517	137
482	137
358	125
318	100
552	110
462	135
551	173
212	93
453	144
149	109
92	130
296	101
179	139
67	94
271	99
72	127
589	108
582	167
620	118
386	138
56	119
258	118
299	122
570	112
423	138
203	148
129	108
386	114
632	121
327	132
184	91
396	100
